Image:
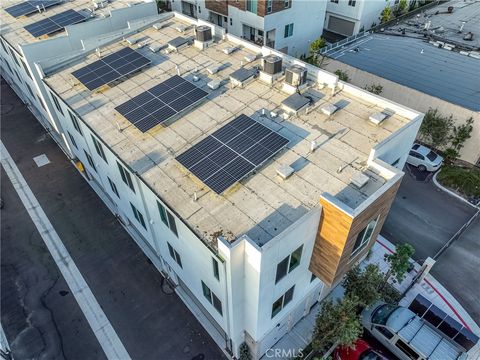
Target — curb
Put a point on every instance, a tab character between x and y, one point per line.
450	192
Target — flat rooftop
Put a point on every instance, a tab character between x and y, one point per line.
412	61
12	29
262	204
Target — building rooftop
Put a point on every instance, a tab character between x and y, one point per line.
262	204
419	62
12	29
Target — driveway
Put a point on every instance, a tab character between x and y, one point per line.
426	217
151	323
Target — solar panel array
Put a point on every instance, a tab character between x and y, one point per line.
231	152
54	23
110	68
29	7
446	324
160	103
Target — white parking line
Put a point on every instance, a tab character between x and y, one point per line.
101	327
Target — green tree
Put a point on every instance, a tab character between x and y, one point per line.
436	128
401	7
399	262
342	75
244	352
386	14
337	322
316	45
364	284
461	133
374	88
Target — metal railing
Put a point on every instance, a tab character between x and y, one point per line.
344	42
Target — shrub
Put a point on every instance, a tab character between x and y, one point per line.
342	75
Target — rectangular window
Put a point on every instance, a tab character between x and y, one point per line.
18	76
171	222
167	218
231	22
26	69
90	160
9	67
252	6
175	255
126	177
212	298
406	349
57	103
364	237
288	264
30	91
288	30
75	122
3	46
352	2
286	3
138	215
282	301
72	139
269	6
14	58
313	278
216	273
113	187
334	1
41	103
99	148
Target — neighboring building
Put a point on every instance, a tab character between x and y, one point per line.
349	17
419	71
286	25
253	258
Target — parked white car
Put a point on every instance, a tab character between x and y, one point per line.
424	158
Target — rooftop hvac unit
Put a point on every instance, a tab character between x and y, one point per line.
203	33
296	75
272	64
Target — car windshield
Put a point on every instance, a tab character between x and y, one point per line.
431	156
380	316
371	355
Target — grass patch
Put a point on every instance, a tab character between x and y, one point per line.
463	180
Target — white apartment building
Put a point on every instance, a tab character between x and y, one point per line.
349	17
285	25
256	256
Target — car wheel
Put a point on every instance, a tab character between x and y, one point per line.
421	168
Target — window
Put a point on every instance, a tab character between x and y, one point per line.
396	162
18	76
231	22
72	139
313	278
407	350
215	269
113	187
364	236
99	148
288	264
26	69
15	58
41	103
286	3
126	177
252	6
3	46
138	215
212	298
269	6
282	301
30	91
334	1
351	2
9	67
90	160
57	103
416	155
75	122
167	218
175	255
288	30
384	331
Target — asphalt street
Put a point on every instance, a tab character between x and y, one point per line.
150	323
427	217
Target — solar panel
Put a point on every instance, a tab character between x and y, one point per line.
110	68
160	103
54	23
446	324
231	152
29	7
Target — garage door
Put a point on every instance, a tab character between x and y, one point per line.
340	26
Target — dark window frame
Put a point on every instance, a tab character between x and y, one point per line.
72	139
126	177
279	304
216	271
113	186
56	102
138	216
99	148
